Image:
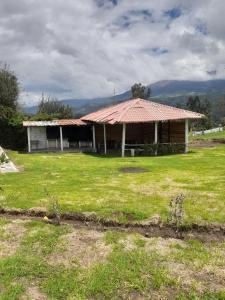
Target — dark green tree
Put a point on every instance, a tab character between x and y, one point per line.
219	110
12	133
202	106
9	88
194	104
206	109
51	108
140	91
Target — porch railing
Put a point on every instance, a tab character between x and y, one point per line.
54	144
153	149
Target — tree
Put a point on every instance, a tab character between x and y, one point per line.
12	133
194	104
219	110
9	88
201	106
50	108
140	91
206	109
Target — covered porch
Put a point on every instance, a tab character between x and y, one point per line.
140	126
59	135
142	138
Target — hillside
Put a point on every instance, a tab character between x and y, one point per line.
170	92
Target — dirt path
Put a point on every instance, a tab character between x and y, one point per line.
206	143
205	233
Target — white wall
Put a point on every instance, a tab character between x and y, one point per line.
38	138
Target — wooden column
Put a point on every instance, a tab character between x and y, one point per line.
28	139
186	136
123	139
61	138
105	147
156	136
94	139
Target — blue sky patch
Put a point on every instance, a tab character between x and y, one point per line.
173	13
202	28
133	17
101	3
159	50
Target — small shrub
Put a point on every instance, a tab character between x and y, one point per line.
176	213
171	148
54	207
150	149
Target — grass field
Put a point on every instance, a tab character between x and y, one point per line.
94	183
43	261
209	136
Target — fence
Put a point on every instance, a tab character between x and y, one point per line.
217	129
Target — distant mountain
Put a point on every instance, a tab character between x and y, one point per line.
171	92
181	87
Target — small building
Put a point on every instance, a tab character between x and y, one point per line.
135	126
58	135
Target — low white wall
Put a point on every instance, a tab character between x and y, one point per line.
207	131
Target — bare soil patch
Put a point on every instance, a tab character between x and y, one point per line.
81	246
33	293
162	246
133	170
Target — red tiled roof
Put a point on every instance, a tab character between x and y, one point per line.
77	122
139	111
64	122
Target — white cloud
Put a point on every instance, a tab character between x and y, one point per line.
74	49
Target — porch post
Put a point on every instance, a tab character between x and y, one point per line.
61	138
123	139
104	129
156	136
28	139
186	136
94	140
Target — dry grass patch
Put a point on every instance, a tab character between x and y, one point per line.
80	247
202	281
198	265
33	293
163	246
10	237
167	188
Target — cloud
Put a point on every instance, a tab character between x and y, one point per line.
212	72
79	49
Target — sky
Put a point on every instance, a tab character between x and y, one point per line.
91	48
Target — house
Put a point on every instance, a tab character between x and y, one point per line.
134	126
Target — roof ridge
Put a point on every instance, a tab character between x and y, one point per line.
129	107
175	108
103	109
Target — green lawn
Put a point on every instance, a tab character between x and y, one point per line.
43	261
94	183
